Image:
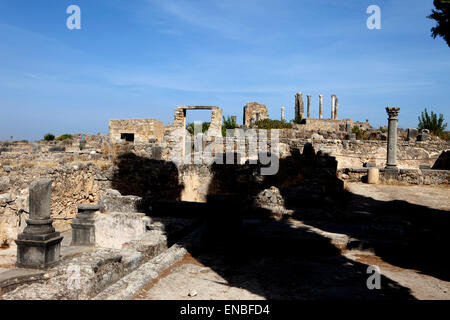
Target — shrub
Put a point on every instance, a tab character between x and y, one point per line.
272	124
360	133
49	137
297	120
432	122
65	136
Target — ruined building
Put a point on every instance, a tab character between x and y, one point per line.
135	130
254	111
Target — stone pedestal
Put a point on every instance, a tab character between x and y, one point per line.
38	246
83	228
392	138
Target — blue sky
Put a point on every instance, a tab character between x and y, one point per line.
141	58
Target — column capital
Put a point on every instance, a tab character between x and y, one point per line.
392	112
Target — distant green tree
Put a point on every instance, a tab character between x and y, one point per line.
191	127
442	17
432	122
49	137
228	123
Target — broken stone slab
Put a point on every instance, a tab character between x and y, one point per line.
113	230
113	201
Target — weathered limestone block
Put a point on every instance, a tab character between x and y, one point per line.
113	230
113	201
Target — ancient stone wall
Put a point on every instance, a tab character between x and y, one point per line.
75	181
355	153
254	111
142	129
325	124
405	176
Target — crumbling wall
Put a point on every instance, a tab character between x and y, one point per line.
254	111
75	181
355	153
326	124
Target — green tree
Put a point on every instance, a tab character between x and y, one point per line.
228	123
49	137
442	17
432	122
191	127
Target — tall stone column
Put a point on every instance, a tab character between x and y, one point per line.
282	113
38	246
299	106
332	106
320	105
392	138
336	102
308	115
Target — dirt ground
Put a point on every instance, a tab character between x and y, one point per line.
299	259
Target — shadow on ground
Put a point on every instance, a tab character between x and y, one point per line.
270	257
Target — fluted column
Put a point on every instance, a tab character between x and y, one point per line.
282	113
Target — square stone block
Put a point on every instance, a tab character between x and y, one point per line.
36	254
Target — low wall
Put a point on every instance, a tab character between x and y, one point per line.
405	176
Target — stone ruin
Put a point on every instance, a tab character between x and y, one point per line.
254	111
115	223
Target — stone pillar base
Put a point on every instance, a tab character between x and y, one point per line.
391	173
83	234
38	254
83	228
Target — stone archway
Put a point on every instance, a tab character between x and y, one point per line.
215	128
